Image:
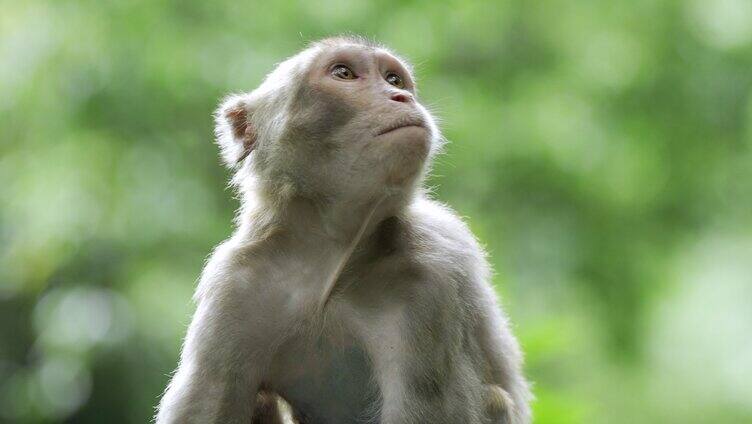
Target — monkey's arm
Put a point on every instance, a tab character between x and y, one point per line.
228	344
220	368
250	298
495	355
507	393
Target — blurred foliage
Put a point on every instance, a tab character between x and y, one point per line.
602	151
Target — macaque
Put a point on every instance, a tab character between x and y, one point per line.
345	290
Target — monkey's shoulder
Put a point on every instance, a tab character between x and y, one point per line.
439	238
234	263
438	225
434	261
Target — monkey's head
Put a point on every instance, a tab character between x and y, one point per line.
339	121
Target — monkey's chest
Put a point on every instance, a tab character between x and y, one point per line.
327	382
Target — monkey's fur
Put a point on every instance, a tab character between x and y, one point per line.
345	289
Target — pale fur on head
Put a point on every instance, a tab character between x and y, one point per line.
268	104
263	177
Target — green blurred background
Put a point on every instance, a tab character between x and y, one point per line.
601	151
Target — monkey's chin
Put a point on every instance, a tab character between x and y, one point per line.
407	158
411	138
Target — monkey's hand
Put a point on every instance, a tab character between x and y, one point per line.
499	404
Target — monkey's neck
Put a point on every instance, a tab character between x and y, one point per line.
325	233
333	276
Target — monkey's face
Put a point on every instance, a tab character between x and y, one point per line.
355	123
339	119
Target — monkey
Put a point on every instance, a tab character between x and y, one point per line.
345	290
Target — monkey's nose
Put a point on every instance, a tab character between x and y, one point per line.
401	97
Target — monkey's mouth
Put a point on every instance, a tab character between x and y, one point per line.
402	124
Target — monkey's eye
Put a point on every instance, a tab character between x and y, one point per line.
343	72
395	80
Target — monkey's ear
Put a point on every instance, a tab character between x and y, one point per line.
236	135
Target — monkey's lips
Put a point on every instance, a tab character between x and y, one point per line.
402	124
